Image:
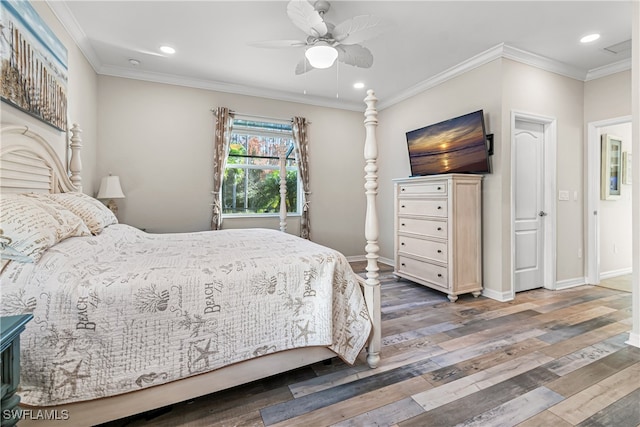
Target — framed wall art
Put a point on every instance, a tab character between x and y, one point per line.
34	70
611	167
626	168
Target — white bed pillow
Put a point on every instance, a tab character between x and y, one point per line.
92	211
31	224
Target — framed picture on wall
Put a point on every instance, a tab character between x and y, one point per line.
33	70
611	167
626	168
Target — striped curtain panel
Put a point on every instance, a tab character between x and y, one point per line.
302	155
221	139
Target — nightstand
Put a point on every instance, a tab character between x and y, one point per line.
10	329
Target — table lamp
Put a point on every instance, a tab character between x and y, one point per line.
110	189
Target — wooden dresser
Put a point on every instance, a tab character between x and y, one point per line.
438	232
10	329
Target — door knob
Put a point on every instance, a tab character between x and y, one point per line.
542	213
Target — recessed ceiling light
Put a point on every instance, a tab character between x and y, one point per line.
358	85
167	49
590	38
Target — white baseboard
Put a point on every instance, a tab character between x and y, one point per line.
570	283
358	258
634	339
498	296
615	273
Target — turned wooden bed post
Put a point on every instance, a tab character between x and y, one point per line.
75	164
372	288
282	154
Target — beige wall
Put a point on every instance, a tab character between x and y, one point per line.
477	89
499	88
532	90
158	139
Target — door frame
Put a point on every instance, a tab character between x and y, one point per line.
549	158
592	199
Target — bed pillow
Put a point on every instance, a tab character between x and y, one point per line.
92	211
32	224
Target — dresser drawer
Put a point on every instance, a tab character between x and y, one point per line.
431	188
423	227
422	207
424	248
424	270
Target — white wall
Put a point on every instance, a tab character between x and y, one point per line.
159	139
615	218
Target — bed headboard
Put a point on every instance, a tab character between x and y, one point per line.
28	163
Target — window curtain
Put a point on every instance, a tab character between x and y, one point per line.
302	154
221	140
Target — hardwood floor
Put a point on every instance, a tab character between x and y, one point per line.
548	358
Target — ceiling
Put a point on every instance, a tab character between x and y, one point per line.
422	43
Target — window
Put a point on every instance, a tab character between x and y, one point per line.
251	182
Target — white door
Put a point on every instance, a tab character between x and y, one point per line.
529	205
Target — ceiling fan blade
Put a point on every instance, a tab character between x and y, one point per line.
356	55
303	66
305	17
357	29
278	44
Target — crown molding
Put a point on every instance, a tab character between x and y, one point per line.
455	71
509	52
227	88
543	63
68	21
501	50
607	70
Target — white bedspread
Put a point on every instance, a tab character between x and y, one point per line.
125	309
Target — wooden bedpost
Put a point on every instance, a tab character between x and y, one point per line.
372	288
75	164
282	153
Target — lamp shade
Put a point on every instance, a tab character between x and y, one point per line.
110	188
321	55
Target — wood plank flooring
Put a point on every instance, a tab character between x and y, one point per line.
548	358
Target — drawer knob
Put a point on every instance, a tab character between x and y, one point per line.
402	189
439	250
439	207
402	244
439	188
439	275
402	206
402	224
439	228
402	264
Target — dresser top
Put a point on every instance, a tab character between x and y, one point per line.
441	177
12	326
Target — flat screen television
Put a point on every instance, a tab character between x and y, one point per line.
457	145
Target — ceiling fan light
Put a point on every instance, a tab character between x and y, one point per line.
321	55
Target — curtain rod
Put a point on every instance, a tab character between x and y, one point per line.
254	116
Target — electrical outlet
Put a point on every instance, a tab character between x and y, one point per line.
579	252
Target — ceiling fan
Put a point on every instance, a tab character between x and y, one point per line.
326	42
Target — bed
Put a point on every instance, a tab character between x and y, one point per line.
126	321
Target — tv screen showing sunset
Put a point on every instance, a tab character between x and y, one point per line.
454	146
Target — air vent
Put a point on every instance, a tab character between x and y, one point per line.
619	47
